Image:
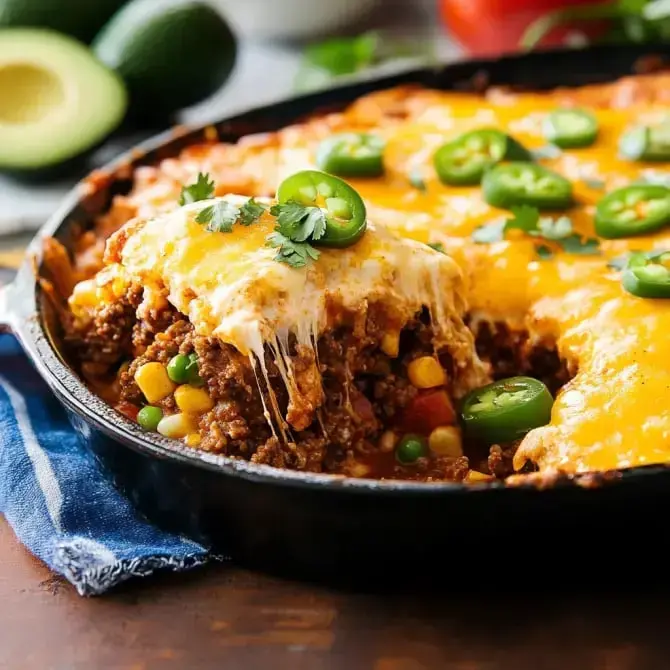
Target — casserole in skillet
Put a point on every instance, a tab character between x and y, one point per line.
553	204
320	525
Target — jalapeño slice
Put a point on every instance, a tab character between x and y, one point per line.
522	183
506	410
462	161
646	143
647	275
351	155
571	128
346	217
633	210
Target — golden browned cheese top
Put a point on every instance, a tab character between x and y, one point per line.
615	412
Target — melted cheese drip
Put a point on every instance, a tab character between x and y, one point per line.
230	287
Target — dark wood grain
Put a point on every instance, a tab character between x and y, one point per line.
226	617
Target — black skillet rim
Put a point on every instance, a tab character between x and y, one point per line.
26	318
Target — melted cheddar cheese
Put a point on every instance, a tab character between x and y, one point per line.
230	287
615	412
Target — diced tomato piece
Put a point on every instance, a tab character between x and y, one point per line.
128	409
363	408
428	411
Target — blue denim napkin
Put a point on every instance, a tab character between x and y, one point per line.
59	501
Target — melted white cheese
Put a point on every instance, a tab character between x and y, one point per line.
230	287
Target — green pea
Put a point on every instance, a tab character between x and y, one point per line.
410	449
177	369
149	417
192	370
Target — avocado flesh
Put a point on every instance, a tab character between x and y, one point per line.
56	99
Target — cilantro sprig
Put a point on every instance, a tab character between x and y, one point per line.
527	219
203	189
297	226
295	254
222	215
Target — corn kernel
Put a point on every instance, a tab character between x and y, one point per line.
388	441
358	470
475	476
426	373
153	380
193	400
176	425
446	441
193	439
390	344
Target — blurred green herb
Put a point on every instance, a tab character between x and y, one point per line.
630	21
325	61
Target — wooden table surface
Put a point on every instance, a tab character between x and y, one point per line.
226	617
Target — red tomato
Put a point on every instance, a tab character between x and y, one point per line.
428	411
363	408
491	27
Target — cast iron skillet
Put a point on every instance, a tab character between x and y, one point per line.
319	526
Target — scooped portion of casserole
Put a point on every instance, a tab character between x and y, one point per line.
296	335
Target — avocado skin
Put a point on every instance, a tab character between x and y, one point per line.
170	57
79	18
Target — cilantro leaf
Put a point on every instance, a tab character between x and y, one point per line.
528	219
203	189
324	61
219	217
314	224
288	215
295	254
437	246
544	252
546	151
524	217
298	222
573	244
250	212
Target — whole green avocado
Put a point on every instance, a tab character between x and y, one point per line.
78	18
170	54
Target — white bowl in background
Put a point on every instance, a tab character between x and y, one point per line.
291	19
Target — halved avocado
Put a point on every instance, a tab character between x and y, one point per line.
56	99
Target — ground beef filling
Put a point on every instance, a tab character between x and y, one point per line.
361	393
364	390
